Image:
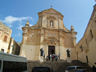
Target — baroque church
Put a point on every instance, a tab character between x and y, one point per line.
48	34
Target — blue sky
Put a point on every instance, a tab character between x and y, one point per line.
15	13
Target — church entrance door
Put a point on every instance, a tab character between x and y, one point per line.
51	50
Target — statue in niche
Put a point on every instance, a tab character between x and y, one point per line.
51	23
68	52
41	52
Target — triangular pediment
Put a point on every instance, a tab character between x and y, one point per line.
51	10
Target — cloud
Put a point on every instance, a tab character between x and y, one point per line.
11	19
31	24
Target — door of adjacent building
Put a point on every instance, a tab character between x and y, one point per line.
51	50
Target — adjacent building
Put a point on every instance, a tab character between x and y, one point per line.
7	43
5	35
86	47
14	47
48	34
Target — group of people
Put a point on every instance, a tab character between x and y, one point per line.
52	57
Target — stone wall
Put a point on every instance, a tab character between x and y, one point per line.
86	47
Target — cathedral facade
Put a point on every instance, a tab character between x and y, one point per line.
48	34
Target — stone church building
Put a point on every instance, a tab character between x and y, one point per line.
48	34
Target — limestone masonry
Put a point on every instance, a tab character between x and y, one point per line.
48	34
86	47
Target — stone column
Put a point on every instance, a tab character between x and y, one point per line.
73	50
42	45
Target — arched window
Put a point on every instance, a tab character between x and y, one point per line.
51	23
5	38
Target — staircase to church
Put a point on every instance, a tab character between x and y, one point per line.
56	66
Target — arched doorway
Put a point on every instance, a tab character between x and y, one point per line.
51	50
